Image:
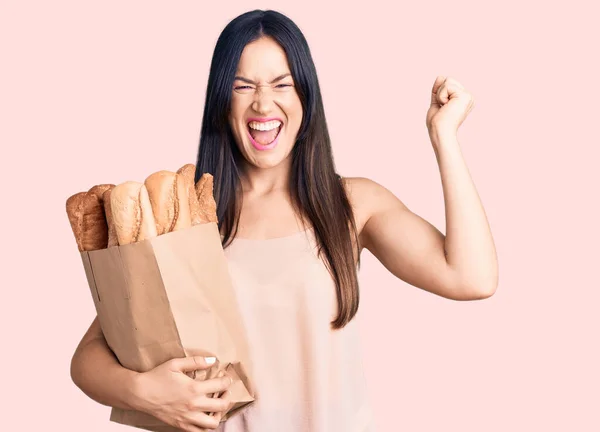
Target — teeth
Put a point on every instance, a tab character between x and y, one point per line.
264	126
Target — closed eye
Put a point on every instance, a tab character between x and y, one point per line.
249	87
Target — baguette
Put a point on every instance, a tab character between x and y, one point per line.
132	213
99	190
188	172
88	222
204	192
75	214
113	240
99	217
169	200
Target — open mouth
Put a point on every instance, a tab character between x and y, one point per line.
264	133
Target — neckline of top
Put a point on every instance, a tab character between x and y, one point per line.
297	233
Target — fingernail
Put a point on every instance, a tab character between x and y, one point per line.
210	360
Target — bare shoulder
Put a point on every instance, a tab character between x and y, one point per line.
368	197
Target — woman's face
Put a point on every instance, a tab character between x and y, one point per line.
266	111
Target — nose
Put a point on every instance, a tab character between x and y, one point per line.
263	101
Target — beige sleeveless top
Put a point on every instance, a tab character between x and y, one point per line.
308	377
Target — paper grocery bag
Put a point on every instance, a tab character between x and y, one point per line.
171	296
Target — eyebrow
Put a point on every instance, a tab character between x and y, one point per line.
249	81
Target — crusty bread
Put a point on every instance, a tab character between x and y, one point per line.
95	218
169	200
86	215
75	214
188	172
132	213
113	240
204	192
99	190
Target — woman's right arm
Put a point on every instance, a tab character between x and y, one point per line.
98	373
165	392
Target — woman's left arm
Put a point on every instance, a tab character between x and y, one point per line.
461	265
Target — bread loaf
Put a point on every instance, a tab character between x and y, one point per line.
132	213
94	229
169	201
188	172
109	215
99	190
204	192
75	214
88	222
113	240
97	217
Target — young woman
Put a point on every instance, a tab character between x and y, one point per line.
293	231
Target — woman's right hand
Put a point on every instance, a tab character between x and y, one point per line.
170	395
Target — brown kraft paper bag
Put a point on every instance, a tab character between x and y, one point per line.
171	296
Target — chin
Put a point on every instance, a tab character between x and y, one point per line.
269	158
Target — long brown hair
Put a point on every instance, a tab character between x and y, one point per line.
317	192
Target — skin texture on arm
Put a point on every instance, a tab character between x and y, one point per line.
408	246
98	373
461	265
165	392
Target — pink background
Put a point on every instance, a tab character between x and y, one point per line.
107	92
